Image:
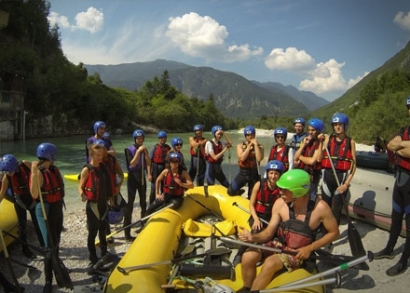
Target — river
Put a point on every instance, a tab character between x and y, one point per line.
71	155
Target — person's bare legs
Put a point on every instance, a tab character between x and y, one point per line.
248	261
271	265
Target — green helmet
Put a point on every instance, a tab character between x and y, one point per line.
296	180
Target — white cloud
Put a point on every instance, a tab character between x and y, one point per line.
91	20
290	59
205	38
403	20
61	20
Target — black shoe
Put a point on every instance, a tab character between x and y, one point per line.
48	287
397	269
129	238
110	240
28	253
384	253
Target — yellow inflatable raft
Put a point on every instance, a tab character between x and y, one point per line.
8	221
159	242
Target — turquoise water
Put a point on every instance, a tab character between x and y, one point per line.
71	155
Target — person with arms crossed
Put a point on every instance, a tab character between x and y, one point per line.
281	151
293	209
215	151
400	144
250	154
300	133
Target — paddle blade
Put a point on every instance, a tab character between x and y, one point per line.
338	260
61	273
355	241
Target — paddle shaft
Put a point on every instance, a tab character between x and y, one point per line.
97	242
245	210
205	207
8	261
39	249
142	168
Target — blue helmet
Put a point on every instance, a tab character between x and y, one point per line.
106	135
46	151
175	156
274	165
176	140
8	163
299	120
249	130
340	118
408	101
215	129
101	143
97	125
162	134
316	124
138	133
280	130
115	215
198	127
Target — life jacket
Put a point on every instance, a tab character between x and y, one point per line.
160	153
194	151
217	149
250	161
282	155
340	154
20	180
308	151
295	233
53	185
129	154
92	185
169	185
111	163
266	198
297	139
404	162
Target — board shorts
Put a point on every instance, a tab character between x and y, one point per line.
290	262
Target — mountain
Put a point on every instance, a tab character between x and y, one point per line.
233	94
309	99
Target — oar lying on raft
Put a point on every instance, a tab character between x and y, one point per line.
216	251
97	242
352	261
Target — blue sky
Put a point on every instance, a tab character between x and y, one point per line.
322	46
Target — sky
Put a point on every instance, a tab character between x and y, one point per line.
322	46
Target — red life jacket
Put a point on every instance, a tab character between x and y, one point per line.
160	153
340	154
308	151
295	233
404	162
169	185
53	185
20	180
217	149
111	162
250	161
194	151
281	156
266	198
93	184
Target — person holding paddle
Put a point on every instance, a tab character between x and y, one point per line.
338	165
137	160
17	176
96	188
46	182
175	180
250	154
198	157
295	218
400	144
215	150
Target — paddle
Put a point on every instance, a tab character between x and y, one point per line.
329	258
337	279
39	249
142	168
60	271
197	163
8	261
355	241
97	242
216	251
205	207
229	156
